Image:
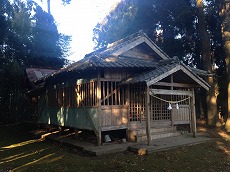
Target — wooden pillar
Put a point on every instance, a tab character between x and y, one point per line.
99	109
147	112
127	103
171	111
193	114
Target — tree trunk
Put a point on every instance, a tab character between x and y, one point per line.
211	100
226	43
48	6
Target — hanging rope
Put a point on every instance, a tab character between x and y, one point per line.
169	101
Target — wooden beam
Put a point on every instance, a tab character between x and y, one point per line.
110	79
181	85
128	46
147	112
109	128
156	49
195	78
110	94
187	71
170	92
162	76
84	81
136	54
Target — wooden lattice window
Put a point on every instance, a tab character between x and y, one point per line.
61	97
160	105
53	98
86	94
112	94
159	108
137	102
68	97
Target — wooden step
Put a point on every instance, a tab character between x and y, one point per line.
139	135
155	135
156	130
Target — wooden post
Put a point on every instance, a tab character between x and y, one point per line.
193	114
99	109
171	111
127	103
147	112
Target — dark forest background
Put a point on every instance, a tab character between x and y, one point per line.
196	31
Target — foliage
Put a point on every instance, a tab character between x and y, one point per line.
173	25
29	37
166	22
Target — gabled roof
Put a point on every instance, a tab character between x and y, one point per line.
162	70
93	62
119	47
111	56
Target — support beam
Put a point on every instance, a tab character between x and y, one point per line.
170	92
99	142
193	114
180	85
147	112
127	95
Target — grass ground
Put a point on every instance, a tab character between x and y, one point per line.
20	152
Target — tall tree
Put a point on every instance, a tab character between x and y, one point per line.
28	37
225	14
64	2
205	47
45	40
183	28
166	22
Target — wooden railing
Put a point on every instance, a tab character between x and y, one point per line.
114	117
181	115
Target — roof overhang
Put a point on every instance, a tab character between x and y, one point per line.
189	73
158	74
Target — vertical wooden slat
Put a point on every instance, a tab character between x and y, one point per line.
119	95
83	93
86	93
103	83
107	92
93	94
111	91
77	97
123	95
99	109
148	117
90	94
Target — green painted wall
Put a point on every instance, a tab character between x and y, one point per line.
69	117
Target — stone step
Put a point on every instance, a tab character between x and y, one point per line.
155	130
143	137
